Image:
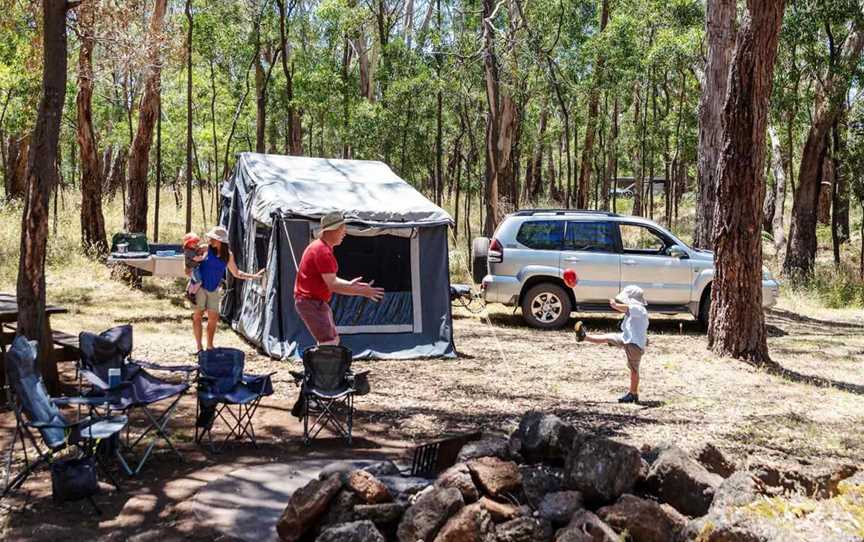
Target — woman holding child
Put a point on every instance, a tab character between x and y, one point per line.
212	261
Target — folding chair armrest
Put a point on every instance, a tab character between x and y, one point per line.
75	401
49	425
169	368
251	379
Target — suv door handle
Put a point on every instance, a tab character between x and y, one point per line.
572	259
628	262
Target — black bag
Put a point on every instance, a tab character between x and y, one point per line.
361	383
74	479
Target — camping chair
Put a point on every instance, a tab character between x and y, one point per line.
35	410
226	393
327	388
137	389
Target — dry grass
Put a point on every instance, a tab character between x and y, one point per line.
504	369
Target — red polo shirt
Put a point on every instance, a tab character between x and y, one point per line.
317	260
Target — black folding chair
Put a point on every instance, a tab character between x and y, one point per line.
36	410
226	393
327	391
137	389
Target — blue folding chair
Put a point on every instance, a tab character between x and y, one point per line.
37	412
224	392
137	389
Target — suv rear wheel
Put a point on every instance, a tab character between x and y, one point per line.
546	306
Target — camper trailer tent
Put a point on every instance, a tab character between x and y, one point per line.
396	237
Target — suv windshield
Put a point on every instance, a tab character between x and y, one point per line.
541	234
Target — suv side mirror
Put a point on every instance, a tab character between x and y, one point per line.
677	252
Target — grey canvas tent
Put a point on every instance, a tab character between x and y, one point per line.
271	206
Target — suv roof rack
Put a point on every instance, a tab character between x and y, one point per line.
532	212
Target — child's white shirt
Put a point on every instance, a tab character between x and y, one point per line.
635	326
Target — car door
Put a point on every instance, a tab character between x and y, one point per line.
590	248
666	280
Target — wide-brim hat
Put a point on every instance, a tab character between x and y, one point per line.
331	221
219	233
631	294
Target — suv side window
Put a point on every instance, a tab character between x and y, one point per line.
541	234
590	237
636	239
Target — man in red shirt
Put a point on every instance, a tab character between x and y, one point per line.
317	281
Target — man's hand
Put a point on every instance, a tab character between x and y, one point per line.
365	289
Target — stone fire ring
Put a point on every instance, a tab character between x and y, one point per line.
246	504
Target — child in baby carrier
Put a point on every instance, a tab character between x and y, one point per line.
194	253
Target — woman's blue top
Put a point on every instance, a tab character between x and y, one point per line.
212	271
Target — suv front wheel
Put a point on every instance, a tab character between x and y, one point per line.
546	306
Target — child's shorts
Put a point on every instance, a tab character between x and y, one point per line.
633	352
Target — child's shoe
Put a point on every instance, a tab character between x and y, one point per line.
580	331
629	398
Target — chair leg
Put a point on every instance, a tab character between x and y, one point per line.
306	401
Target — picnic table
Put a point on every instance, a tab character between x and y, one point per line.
64	345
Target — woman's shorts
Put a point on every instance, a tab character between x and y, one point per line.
318	317
207	300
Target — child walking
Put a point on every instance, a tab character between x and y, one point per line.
633	336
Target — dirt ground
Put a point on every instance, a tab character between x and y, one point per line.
812	414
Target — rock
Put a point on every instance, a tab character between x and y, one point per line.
585	526
496	477
740	489
524	529
431	511
644	520
384	468
306	506
471	524
401	488
459	476
498	511
368	488
682	482
651	453
487	447
379	514
342	468
603	470
559	507
714	461
538	480
341	509
543	438
816	481
356	531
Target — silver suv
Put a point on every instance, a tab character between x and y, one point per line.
524	262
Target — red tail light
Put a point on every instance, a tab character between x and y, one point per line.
496	251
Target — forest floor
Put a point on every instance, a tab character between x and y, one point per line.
504	369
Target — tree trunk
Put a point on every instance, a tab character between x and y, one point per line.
295	119
840	206
93	238
139	155
611	157
189	142
826	186
768	207
501	114
639	162
41	177
737	323
779	189
720	32
801	248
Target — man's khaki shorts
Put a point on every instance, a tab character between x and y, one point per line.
206	300
633	352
